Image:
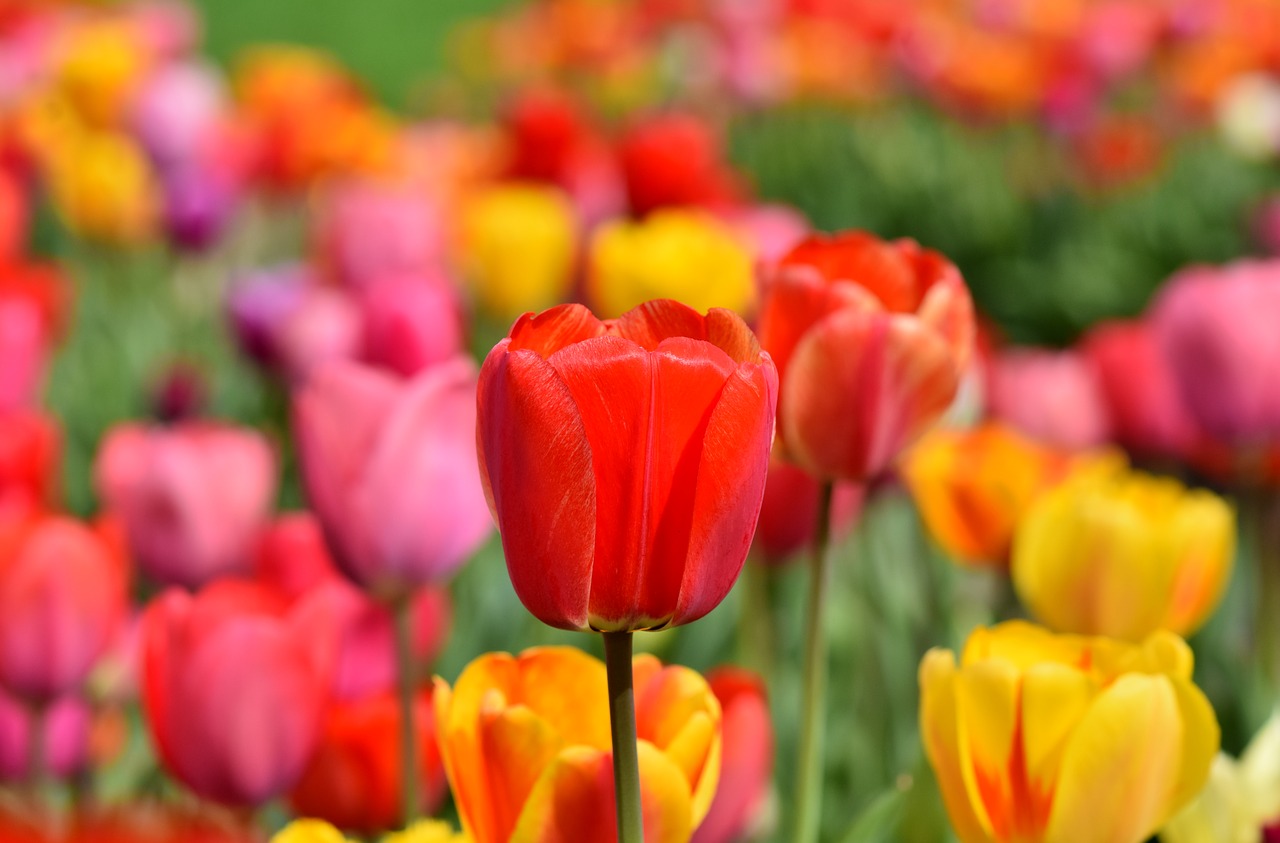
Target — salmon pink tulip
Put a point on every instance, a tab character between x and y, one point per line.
390	468
871	339
625	461
748	757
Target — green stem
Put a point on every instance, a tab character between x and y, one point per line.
809	764
622	722
757	630
403	610
1267	617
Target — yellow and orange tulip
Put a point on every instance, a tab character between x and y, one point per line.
673	254
526	744
1117	552
103	188
316	831
1043	738
972	487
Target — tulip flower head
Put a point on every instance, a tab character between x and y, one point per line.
870	339
649	437
1122	553
748	757
1041	738
526	745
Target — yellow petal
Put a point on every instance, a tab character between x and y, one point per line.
308	831
987	709
1054	700
939	731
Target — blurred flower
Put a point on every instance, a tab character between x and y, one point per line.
789	513
1070	738
1266	225
1216	327
1240	800
14	216
1249	116
177	109
526	744
353	779
192	496
870	338
293	560
1143	403
674	160
650	435
687	256
1052	396
101	64
63	595
390	469
103	189
1121	553
517	247
427	831
198	206
34	299
308	831
974	486
411	322
369	230
1118	151
65	738
747	770
30	447
235	686
771	230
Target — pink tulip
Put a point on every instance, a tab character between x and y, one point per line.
390	468
1146	410
411	323
65	738
235	685
33	299
772	230
62	599
177	108
192	496
747	767
1051	396
369	231
1217	326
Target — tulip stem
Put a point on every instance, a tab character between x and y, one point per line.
809	763
622	722
403	610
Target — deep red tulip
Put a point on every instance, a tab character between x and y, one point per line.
675	160
192	496
870	338
353	780
29	451
391	473
1053	397
546	129
293	560
1218	328
62	597
747	767
65	738
789	514
411	322
1146	410
625	460
235	685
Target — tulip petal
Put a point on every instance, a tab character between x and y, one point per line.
1054	699
940	733
1201	739
1120	765
551	330
677	713
990	746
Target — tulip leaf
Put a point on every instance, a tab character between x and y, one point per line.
878	822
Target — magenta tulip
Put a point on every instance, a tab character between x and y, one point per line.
65	737
192	496
411	322
235	685
390	468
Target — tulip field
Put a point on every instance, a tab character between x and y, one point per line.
561	421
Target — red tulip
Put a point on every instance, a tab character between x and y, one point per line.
1146	410
65	738
62	597
390	470
625	460
789	514
1053	397
292	560
675	160
870	338
192	496
235	686
29	450
33	298
747	767
411	322
353	780
14	216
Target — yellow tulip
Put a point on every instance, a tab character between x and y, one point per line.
103	188
1121	553
318	831
973	486
674	254
308	831
101	66
1043	738
526	745
518	244
427	831
1241	798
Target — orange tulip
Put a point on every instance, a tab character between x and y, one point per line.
972	487
526	746
1043	738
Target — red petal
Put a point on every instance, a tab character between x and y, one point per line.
551	330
